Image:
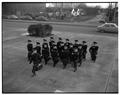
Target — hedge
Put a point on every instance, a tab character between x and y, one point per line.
40	30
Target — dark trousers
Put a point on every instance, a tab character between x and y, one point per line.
46	58
75	65
65	62
80	61
34	69
55	61
93	57
29	55
84	55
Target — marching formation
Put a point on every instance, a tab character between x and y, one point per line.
66	52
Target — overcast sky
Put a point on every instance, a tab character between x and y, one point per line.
103	5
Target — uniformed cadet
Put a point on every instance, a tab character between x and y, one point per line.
38	49
65	56
60	50
80	54
75	58
76	44
30	49
55	55
93	51
59	44
45	51
51	43
71	51
35	59
67	43
84	49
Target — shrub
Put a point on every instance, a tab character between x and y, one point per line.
26	17
40	30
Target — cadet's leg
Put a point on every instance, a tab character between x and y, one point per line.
84	55
45	58
80	61
71	63
91	56
94	58
75	66
29	55
56	61
34	70
40	59
64	63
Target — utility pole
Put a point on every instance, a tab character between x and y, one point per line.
115	8
109	12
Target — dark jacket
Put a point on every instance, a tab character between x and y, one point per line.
45	50
30	47
93	50
54	53
38	48
84	48
65	54
35	58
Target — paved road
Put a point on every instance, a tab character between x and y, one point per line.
101	76
22	27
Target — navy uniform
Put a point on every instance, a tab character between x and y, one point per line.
71	51
54	54
45	51
60	50
80	54
84	49
30	49
38	49
76	44
59	44
93	51
65	56
67	43
51	43
35	58
75	58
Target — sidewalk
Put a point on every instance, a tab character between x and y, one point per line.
84	24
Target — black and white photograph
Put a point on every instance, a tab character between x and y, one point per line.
59	47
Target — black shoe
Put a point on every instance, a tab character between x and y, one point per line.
74	71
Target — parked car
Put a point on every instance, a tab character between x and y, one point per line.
12	17
108	27
26	17
41	18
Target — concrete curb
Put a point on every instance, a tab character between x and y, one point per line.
54	23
